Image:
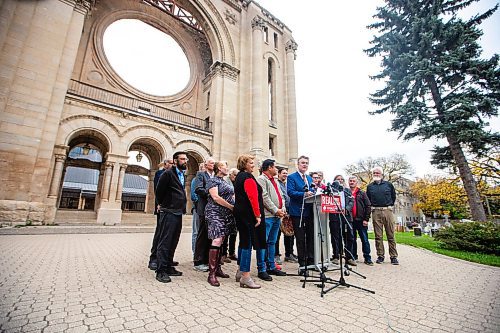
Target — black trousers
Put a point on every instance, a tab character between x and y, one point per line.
344	230
304	234
288	241
230	242
152	257
170	232
202	245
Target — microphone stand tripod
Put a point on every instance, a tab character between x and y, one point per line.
341	281
303	271
322	279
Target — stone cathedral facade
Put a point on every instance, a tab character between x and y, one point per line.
58	93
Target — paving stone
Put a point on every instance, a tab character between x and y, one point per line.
119	294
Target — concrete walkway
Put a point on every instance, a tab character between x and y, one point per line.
98	282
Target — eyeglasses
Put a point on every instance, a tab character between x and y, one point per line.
316	177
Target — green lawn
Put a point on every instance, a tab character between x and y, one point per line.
430	244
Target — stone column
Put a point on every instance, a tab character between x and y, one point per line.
57	176
290	48
39	43
121	178
258	142
107	180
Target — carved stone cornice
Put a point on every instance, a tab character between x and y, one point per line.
222	69
258	23
273	18
245	3
234	4
82	6
291	46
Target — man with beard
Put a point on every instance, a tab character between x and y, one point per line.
382	195
153	262
171	196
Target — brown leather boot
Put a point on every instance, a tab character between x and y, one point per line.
218	271
213	258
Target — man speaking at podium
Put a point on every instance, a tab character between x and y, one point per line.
298	188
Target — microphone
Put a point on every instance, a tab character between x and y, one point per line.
313	187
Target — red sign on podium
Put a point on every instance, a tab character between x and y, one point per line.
330	204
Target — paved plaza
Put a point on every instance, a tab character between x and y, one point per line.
100	283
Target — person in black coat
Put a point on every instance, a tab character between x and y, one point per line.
341	226
153	262
171	196
361	212
248	212
202	244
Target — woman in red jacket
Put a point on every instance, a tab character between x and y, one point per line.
248	212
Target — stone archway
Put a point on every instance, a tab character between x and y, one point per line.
78	176
145	157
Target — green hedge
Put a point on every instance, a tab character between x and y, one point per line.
483	237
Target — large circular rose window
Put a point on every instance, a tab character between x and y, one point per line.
146	58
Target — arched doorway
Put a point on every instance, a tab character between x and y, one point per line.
82	176
145	156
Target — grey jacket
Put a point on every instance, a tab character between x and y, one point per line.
269	195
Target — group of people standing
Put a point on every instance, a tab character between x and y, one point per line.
230	201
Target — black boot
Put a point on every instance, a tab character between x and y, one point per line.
218	271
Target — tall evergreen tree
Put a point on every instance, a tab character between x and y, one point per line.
436	84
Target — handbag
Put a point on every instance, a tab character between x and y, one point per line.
286	226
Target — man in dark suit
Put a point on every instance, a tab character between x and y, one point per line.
202	246
153	262
171	196
298	188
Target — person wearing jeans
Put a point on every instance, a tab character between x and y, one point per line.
248	212
274	209
361	212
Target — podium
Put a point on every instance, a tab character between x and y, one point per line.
321	228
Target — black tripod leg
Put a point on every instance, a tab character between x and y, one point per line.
364	289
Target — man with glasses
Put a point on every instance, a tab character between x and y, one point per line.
172	198
361	211
341	226
382	196
202	245
299	188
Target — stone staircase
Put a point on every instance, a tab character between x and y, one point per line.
77	217
84	217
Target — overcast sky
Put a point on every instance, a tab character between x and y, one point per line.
333	86
332	79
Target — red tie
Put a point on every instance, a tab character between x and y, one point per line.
305	180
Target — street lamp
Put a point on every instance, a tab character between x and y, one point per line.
138	157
